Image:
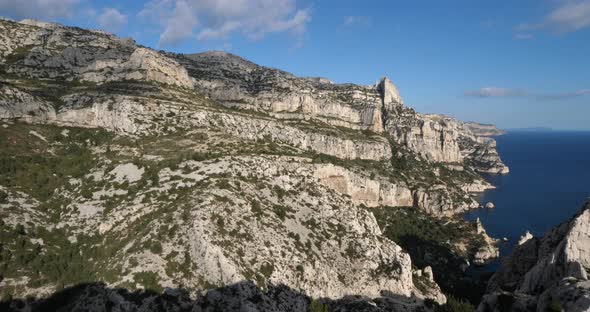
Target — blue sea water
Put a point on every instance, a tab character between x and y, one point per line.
549	180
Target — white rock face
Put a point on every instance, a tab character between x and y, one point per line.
126	115
525	238
118	115
389	92
571	257
373	192
235	82
363	190
490	205
53	51
542	270
127	173
478	186
431	137
16	104
378	108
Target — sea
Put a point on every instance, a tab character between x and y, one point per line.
548	183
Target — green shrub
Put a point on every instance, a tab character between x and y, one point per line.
318	306
156	247
255	207
223	184
554	305
455	305
149	280
280	211
3	197
266	269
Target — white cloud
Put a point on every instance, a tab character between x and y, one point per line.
569	16
180	25
38	9
357	20
495	92
219	19
111	19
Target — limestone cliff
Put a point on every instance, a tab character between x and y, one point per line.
235	82
144	92
551	271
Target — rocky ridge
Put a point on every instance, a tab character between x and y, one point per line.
235	82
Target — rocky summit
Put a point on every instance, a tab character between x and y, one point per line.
135	180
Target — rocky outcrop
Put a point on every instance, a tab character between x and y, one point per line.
546	272
129	115
524	238
433	137
350	266
480	153
389	94
45	50
488	251
235	82
16	104
369	192
484	130
375	192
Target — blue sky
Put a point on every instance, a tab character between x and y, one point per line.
512	63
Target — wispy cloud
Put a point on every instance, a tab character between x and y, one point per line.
569	16
566	95
523	36
111	19
495	92
219	19
39	9
357	20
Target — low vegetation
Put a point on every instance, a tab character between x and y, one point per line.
443	244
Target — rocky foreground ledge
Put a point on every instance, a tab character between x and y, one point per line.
549	273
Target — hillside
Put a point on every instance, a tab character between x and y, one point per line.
142	169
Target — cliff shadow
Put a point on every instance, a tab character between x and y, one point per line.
447	267
242	296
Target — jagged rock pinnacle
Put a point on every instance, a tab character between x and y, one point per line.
389	92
